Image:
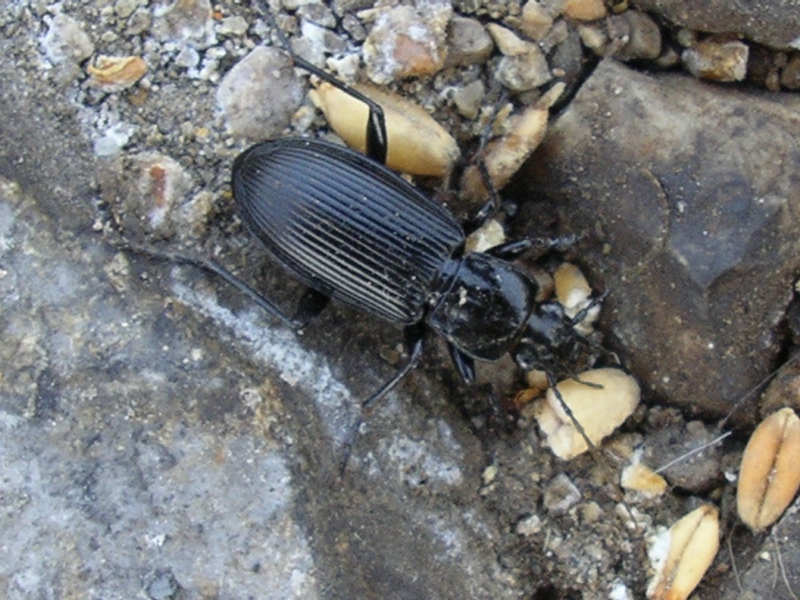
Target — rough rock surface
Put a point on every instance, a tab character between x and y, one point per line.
687	198
162	438
774	23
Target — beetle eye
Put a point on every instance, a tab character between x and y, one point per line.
524	360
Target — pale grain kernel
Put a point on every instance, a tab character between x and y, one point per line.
417	144
599	410
682	555
769	475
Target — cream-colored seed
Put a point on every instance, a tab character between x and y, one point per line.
682	555
599	410
572	289
417	144
641	478
574	294
489	235
769	475
536	379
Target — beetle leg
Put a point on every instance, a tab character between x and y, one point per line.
491	206
477	219
583	313
377	144
217	269
553	384
311	304
415	340
464	364
512	250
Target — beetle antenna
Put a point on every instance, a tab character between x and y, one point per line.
754	390
598	457
551	381
584	312
211	266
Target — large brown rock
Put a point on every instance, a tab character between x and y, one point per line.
688	196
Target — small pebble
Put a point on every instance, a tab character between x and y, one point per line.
642	38
233	26
585	10
139	22
292	5
468	42
66	41
318	14
152	188
405	42
353	26
561	494
536	21
188	58
594	37
790	75
529	526
469	99
523	66
723	62
260	94
125	8
184	21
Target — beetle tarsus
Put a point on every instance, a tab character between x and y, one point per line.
415	339
211	266
464	364
510	251
489	208
377	145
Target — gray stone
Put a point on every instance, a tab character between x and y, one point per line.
468	42
696	472
774	23
561	494
724	62
67	41
186	22
260	94
643	36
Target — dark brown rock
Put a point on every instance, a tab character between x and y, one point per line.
774	23
692	231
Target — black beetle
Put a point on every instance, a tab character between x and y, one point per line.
353	230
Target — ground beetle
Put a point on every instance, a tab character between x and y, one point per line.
355	231
352	230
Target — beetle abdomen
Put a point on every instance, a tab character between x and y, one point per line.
345	225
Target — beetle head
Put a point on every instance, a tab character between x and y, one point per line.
549	341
